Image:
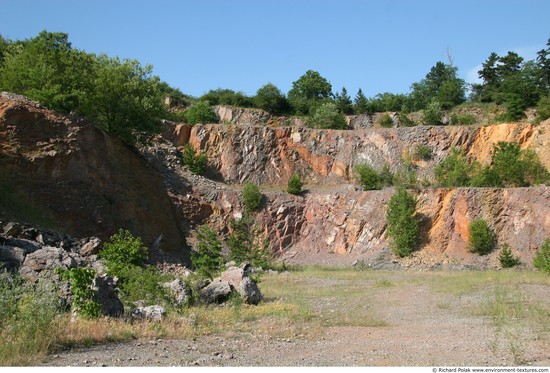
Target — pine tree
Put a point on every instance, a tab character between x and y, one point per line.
361	103
208	259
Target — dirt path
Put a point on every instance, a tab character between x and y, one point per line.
419	326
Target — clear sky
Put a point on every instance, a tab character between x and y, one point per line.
379	46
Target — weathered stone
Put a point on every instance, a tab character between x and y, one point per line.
26	245
180	291
107	296
153	313
233	276
12	229
216	292
11	257
91	247
47	259
249	291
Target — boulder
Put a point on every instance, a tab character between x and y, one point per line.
249	291
234	276
107	297
12	229
47	259
91	247
153	313
11	257
180	290
216	292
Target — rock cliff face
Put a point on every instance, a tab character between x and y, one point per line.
272	155
78	179
88	184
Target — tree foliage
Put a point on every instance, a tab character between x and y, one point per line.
201	112
482	238
542	258
252	197
506	259
271	99
327	116
441	84
195	160
368	177
228	97
294	185
308	91
207	258
246	244
454	170
121	97
403	228
122	250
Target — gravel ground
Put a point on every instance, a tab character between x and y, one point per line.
422	327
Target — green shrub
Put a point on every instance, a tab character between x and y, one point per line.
403	227
405	121
454	170
252	197
542	258
143	287
368	177
406	177
422	152
507	260
482	238
543	108
294	185
327	116
207	259
28	315
84	297
201	112
516	167
245	243
123	250
463	119
386	121
196	161
433	114
386	176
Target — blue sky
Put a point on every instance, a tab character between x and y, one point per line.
379	46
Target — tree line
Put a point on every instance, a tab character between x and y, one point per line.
123	96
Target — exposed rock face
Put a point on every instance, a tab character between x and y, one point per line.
81	180
273	155
353	224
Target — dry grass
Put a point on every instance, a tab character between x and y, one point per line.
306	302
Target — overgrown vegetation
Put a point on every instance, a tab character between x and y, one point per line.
294	185
201	112
252	197
482	238
121	97
207	258
510	166
247	244
125	98
81	281
195	160
368	176
506	259
542	259
403	228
